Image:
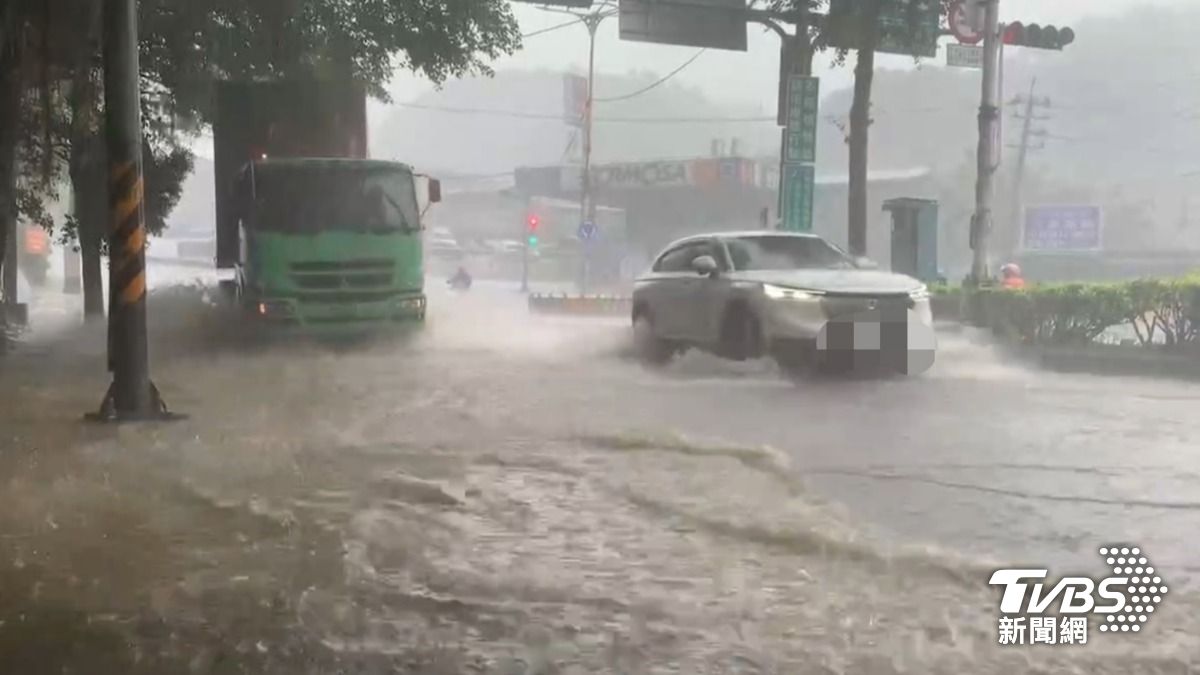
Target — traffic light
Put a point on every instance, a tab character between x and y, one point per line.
531	229
1032	35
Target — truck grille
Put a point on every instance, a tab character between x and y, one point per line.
343	275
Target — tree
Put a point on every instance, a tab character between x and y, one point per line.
185	47
855	24
860	125
12	55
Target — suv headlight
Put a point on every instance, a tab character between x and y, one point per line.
782	293
920	294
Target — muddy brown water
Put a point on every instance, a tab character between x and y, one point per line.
491	494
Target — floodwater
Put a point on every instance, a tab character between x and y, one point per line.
501	493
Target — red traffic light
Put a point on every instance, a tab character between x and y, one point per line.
1018	34
1012	33
532	223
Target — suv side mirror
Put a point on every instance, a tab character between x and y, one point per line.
705	265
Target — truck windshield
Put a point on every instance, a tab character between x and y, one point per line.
307	200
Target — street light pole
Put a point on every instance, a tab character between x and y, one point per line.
587	206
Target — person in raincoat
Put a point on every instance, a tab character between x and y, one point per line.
1010	277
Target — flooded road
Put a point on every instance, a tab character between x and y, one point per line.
499	493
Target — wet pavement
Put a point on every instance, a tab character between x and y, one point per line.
502	493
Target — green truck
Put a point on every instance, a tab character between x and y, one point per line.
320	238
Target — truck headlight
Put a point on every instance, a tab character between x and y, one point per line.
274	308
782	293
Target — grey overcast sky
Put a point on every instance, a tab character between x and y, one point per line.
742	77
745	78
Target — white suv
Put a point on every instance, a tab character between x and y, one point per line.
744	295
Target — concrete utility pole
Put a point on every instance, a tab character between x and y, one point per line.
1013	239
989	143
132	396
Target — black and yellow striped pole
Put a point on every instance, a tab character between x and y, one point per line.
132	396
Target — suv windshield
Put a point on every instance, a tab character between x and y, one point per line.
785	253
310	199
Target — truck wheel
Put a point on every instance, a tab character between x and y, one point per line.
228	291
651	349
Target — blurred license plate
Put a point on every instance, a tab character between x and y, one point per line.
893	338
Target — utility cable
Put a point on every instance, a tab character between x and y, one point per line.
645	89
626	120
548	30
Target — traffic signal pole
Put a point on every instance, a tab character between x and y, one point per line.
131	396
989	142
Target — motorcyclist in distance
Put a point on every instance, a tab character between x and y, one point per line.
461	279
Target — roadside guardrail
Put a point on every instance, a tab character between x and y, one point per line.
580	305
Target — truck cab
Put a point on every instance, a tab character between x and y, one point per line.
330	245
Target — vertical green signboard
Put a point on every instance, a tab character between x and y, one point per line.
799	153
801	122
796	197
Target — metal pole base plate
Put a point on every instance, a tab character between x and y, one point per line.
157	412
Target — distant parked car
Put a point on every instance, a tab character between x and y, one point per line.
442	244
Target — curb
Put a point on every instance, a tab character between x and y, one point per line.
1097	359
1120	361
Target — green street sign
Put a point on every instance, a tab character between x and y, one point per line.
800	135
796	197
908	27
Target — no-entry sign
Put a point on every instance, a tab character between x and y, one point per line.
961	25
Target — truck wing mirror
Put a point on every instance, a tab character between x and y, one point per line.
435	191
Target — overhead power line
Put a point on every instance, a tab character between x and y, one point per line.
550	29
645	89
618	120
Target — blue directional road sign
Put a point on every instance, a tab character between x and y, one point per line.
1063	228
588	230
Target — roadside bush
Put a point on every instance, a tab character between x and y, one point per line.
945	300
1058	314
1166	308
1161	311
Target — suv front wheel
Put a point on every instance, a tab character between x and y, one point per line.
651	349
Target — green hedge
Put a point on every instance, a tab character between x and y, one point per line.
1161	311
